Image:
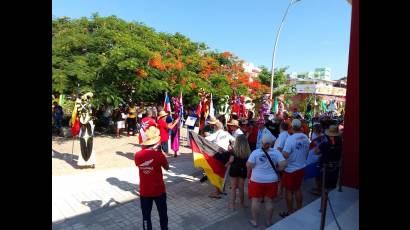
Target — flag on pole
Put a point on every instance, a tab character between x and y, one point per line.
167	108
312	168
75	123
181	112
275	107
176	137
167	104
203	153
61	99
324	107
211	108
199	110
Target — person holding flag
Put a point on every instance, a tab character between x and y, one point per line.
178	107
164	128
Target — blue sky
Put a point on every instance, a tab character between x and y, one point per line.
315	34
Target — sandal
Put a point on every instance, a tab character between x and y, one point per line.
253	225
284	214
214	196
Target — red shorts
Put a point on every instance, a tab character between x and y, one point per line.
293	181
259	190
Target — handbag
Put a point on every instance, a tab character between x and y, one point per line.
272	164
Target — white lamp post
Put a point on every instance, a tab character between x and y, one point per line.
276	43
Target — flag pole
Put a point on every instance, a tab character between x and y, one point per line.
72	148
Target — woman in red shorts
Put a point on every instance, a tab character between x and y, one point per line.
263	182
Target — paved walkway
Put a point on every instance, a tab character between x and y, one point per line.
107	198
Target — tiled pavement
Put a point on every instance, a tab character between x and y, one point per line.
188	208
107	198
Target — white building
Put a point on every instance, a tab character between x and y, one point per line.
318	73
252	70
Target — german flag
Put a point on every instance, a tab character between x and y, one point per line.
204	152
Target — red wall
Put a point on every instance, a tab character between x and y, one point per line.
350	170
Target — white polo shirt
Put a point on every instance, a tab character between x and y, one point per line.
263	171
297	145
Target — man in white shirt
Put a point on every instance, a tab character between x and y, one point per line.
221	137
295	151
262	132
224	140
234	126
280	142
263	183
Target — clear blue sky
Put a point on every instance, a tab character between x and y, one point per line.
315	34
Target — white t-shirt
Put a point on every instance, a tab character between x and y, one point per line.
263	171
237	133
221	138
261	133
280	142
297	145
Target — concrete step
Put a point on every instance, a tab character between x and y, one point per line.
345	205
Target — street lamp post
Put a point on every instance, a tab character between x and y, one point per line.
276	43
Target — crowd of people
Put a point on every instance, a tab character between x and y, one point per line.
270	153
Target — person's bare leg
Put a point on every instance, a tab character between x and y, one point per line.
289	200
255	209
234	186
269	210
241	186
299	197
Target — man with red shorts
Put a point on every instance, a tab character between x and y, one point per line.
263	182
295	151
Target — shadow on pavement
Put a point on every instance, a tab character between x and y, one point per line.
96	204
124	185
71	159
127	155
93	204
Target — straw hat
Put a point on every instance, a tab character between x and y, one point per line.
212	121
162	113
233	123
332	131
153	136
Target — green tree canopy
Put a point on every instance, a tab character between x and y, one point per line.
121	61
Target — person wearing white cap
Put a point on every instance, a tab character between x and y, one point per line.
295	151
263	181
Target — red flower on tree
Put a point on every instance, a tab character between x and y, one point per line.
226	54
141	73
156	62
179	65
